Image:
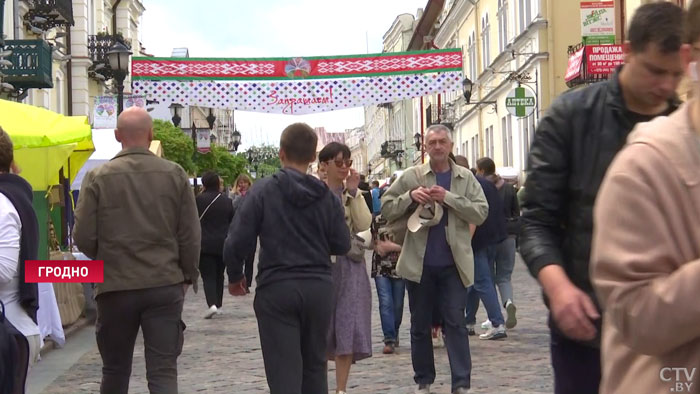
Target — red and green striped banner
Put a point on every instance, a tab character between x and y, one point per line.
314	67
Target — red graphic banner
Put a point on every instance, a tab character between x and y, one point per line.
603	59
440	60
64	271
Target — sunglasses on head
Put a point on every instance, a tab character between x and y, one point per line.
339	162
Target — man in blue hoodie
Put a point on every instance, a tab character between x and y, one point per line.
300	224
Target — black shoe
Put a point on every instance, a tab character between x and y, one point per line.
470	330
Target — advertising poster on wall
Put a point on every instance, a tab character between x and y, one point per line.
104	114
598	22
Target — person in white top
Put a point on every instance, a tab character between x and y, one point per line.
10	245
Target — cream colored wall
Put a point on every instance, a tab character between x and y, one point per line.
564	30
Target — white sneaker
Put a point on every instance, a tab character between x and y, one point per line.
511	320
210	312
486	325
220	311
498	332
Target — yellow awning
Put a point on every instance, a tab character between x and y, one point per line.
45	141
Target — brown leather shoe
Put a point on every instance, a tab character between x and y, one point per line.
388	348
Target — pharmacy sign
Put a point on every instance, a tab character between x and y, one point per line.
521	102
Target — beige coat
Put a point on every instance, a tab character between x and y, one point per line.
465	203
645	261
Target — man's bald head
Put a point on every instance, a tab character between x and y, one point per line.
134	128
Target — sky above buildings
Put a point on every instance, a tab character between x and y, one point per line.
273	28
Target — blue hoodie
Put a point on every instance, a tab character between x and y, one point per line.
300	222
493	230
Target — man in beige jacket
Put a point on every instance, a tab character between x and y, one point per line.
437	261
645	261
137	213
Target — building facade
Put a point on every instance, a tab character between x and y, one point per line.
78	65
390	126
506	44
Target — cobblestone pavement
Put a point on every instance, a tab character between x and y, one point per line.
222	355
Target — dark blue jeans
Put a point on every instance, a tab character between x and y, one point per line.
390	292
443	287
576	366
484	288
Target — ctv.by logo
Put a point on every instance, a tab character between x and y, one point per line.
680	378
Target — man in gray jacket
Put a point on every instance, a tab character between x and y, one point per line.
137	213
437	261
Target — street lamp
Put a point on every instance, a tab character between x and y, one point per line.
417	140
175	110
211	119
235	138
118	56
467	88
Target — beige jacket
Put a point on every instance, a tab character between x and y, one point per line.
137	213
357	214
645	261
465	203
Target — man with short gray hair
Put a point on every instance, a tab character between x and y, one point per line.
436	258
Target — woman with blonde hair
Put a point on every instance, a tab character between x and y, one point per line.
350	332
240	189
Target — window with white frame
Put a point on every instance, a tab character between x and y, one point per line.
502	24
527	11
471	50
507	137
485	41
527	130
475	150
489	142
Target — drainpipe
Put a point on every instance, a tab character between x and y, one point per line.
16	21
553	55
69	72
114	16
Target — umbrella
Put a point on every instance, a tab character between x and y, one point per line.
45	141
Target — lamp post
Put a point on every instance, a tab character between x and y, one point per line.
194	154
175	111
417	140
118	56
235	138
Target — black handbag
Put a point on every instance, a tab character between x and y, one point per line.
14	357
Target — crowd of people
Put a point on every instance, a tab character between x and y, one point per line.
609	228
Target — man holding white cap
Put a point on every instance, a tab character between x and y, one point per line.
442	199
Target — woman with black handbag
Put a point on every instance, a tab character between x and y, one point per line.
215	215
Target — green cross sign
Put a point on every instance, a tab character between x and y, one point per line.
520	102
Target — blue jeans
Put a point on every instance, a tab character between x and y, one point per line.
484	288
390	292
502	269
443	287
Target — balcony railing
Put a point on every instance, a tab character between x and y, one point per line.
31	64
47	14
98	46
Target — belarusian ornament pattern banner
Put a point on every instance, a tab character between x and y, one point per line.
440	60
299	97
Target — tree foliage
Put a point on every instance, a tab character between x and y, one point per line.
177	146
228	166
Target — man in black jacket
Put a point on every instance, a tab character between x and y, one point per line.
575	143
301	224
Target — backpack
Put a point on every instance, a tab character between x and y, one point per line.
14	356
